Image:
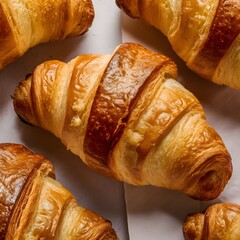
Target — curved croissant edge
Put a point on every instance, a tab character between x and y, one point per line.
218	221
34	205
23	120
26	24
206	36
196	162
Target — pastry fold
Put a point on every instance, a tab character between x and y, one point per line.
127	117
33	205
219	222
205	34
26	23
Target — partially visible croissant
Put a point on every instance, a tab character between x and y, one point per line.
219	222
126	117
205	34
26	23
35	206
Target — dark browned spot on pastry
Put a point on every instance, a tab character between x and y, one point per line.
122	5
5	29
126	75
28	76
13	177
209	180
224	30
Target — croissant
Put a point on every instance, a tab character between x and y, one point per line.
205	34
26	23
126	117
35	206
219	222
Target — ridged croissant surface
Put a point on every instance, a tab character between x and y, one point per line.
219	222
35	206
126	117
205	34
26	23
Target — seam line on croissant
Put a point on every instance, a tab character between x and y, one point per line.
122	120
140	160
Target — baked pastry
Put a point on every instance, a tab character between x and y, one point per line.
26	23
127	117
219	222
205	34
35	206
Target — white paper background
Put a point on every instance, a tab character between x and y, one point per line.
155	213
152	213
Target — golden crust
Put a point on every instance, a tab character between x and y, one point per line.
228	71
202	33
127	117
115	97
34	205
87	221
24	24
83	85
224	30
8	50
130	7
13	179
160	149
218	222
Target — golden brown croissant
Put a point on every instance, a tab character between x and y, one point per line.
126	117
219	222
205	34
35	206
26	23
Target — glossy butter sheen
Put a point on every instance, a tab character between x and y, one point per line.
35	206
26	23
14	179
127	117
218	222
224	30
116	97
203	33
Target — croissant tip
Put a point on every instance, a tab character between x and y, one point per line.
28	76
192	226
122	5
24	121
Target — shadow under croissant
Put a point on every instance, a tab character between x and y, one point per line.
204	162
154	199
100	175
24	121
